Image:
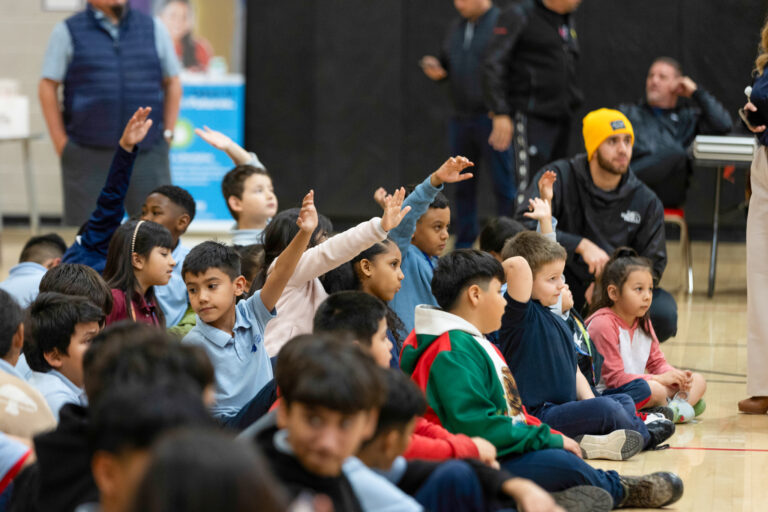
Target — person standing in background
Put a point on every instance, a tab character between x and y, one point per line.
110	60
757	241
460	62
530	82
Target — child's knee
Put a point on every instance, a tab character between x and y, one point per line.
700	382
659	393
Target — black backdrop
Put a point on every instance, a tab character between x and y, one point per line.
337	102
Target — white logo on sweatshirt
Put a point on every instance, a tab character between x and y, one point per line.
631	217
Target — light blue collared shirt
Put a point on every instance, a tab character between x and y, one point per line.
22	367
375	492
57	390
241	363
60	49
172	297
23	282
8	368
247	236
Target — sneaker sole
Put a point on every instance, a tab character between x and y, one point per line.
584	498
618	445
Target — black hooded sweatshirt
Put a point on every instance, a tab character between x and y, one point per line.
630	215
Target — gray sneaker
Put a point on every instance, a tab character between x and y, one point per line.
651	491
584	498
618	445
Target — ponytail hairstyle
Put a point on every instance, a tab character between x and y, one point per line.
138	237
623	262
279	233
394	324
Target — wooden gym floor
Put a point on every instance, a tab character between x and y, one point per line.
723	457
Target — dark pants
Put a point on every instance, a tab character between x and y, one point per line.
469	138
597	416
84	171
557	470
638	390
253	410
452	486
663	308
666	173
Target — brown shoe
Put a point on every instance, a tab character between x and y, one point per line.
754	405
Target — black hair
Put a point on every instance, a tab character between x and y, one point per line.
78	279
204	470
132	417
497	231
330	373
353	312
279	233
212	254
139	237
623	262
404	402
128	353
10	320
44	247
251	260
233	182
440	201
178	196
51	321
460	269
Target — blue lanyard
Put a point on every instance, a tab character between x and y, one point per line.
429	260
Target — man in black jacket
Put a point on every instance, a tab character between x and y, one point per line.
530	82
599	206
665	127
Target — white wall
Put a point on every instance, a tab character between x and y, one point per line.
24	32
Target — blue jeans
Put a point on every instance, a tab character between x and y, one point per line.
557	470
638	390
452	486
598	416
469	138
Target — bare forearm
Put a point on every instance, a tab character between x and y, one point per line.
49	103
285	265
172	87
583	390
238	155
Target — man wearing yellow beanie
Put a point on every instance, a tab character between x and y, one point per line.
599	206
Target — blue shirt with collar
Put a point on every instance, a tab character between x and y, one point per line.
240	362
375	492
57	390
23	282
172	297
8	368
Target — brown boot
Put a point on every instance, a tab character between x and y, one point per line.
754	405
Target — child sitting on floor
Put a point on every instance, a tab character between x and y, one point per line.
622	331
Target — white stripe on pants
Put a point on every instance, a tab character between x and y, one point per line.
757	277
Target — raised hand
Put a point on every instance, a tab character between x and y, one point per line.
379	196
393	210
450	171
136	129
546	185
307	220
214	138
540	209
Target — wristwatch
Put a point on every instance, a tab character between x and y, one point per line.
168	134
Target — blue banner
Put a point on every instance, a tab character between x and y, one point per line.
216	102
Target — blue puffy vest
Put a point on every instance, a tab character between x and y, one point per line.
107	79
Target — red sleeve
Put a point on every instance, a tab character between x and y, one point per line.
430	441
534	421
119	311
657	363
605	335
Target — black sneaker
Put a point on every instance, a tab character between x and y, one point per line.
651	491
660	431
664	411
584	498
618	445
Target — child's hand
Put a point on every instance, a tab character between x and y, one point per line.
307	220
393	214
486	451
214	138
136	129
450	171
572	446
671	379
379	196
540	209
546	185
567	302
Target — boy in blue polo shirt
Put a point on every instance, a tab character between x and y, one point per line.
231	332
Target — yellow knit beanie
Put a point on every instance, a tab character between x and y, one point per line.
600	124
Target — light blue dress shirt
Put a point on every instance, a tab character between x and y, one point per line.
241	363
57	390
8	368
23	369
375	492
59	53
172	297
23	282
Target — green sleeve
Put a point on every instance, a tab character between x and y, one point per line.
460	390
